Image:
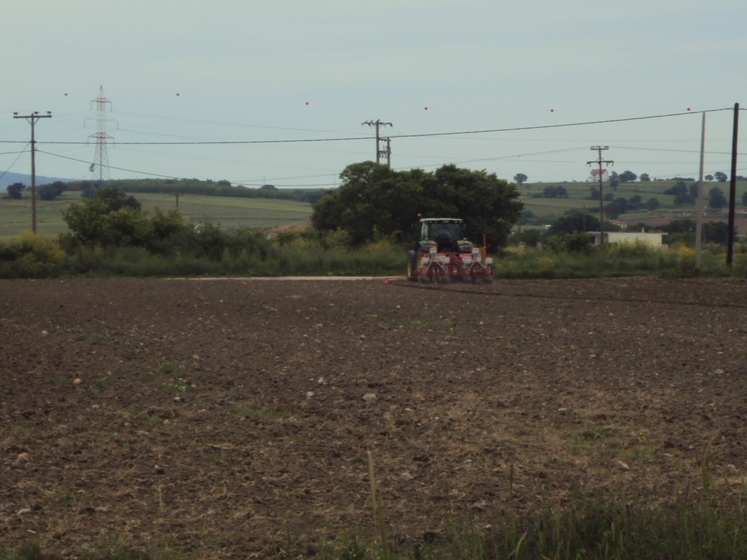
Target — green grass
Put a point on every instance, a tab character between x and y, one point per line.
609	527
233	212
15	215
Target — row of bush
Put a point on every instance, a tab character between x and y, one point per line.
213	251
574	256
110	234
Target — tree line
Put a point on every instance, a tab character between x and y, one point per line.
571	231
615	179
169	186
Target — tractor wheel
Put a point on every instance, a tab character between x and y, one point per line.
412	267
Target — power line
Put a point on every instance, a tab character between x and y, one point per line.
111	167
421	135
514	157
547	126
14	161
273	180
673	151
149	174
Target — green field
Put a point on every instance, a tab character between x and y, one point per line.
230	212
15	215
579	191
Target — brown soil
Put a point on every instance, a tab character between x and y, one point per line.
233	418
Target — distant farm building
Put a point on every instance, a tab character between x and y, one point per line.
595	175
654	240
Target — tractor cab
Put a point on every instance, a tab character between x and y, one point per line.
447	234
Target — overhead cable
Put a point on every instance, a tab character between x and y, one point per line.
15	160
420	135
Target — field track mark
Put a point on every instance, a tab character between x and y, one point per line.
569	297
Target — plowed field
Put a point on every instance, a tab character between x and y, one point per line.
232	418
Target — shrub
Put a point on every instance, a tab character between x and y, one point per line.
578	242
630	250
33	248
687	259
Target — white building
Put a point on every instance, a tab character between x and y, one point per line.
655	240
594	177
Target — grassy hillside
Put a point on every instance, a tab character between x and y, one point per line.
578	193
15	215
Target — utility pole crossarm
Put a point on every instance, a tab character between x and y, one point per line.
32	119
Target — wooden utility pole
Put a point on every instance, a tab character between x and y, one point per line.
733	187
387	151
32	119
701	201
600	161
379	152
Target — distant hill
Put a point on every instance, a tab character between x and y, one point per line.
10	178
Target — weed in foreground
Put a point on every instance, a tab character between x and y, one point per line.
690	528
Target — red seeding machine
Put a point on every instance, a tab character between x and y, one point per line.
443	254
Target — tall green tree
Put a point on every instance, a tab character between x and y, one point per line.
653	203
614	180
578	221
15	191
115	199
716	198
51	191
375	200
487	205
86	221
717	232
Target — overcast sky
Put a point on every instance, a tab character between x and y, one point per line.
247	71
